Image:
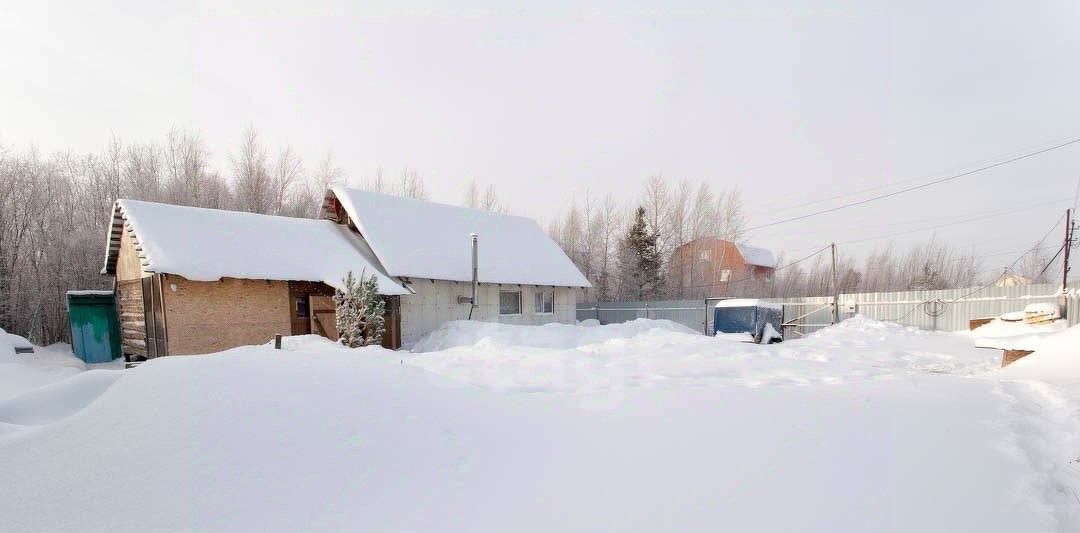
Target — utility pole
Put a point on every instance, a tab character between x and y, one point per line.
835	288
1068	245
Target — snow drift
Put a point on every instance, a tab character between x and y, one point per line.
57	400
1057	358
460	333
648	353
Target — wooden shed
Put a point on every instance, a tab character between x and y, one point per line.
192	281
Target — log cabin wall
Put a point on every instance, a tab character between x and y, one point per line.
129	299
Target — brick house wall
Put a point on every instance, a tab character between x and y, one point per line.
210	316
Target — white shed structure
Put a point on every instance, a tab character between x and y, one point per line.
523	276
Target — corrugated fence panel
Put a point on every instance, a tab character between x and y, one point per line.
941	310
690	313
805	315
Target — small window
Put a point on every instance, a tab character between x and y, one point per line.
509	302
545	302
302	307
704	255
725	274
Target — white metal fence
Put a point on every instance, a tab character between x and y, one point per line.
942	310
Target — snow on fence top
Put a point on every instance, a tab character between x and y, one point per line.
209	244
415	238
755	256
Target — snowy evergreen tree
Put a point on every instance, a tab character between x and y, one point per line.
359	311
372	308
639	260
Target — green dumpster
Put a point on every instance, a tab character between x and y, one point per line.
95	332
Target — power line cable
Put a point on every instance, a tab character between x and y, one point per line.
982	213
1052	259
920	186
1038	244
938	226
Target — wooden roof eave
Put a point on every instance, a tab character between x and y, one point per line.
120	224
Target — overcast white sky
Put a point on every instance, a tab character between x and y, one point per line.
791	102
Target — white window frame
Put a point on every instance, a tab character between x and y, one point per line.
540	299
725	275
519	306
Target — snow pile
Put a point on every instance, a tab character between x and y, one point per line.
422	239
20	373
56	400
1013	335
650	353
744	336
16	342
209	244
460	333
1057	358
24	372
19	343
1041	312
7	350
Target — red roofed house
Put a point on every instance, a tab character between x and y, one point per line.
711	266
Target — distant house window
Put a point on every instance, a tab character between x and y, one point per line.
545	301
725	274
509	302
704	255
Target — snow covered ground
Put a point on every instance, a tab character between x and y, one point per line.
644	426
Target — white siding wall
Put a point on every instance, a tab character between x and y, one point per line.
435	302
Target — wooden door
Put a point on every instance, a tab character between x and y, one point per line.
392	333
323	316
300	313
154	317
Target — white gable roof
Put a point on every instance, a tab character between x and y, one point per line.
752	255
210	244
420	239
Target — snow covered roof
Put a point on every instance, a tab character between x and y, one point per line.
752	255
89	293
420	239
210	244
748	302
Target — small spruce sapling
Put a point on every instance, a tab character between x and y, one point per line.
359	311
372	309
